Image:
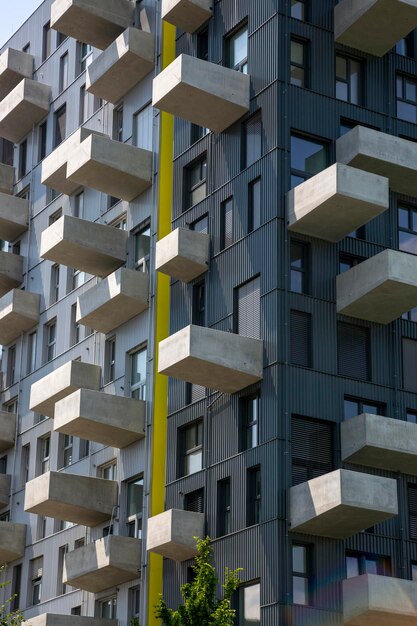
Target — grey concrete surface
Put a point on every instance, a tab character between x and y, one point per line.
183	254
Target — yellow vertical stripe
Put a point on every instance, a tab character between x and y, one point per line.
160	391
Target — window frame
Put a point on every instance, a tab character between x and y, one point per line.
195	451
349	60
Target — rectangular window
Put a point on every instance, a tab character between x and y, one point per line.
199	304
253	139
83	104
223	507
308	157
42	137
203	45
61	587
346	262
348	79
84	449
35	580
46	41
60	38
43	454
75	328
237	48
191	448
134	602
254	205
300	575
7	152
353	351
85	53
407	229
134	507
138	374
195	183
16	587
11	366
79	205
355	406
108	608
412	512
54	286
300	338
60	124
194	501
311	448
54	217
253	486
142	245
25	461
3	464
78	279
298	62
407	98
358	563
143	127
405	47
63	72
66	445
298	275
200	225
226	225
110	359
248	309
298	9
23	158
249	611
118	123
50	340
249	410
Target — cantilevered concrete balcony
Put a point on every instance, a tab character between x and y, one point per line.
12	541
19	312
212	358
61	383
373	26
342	503
14	66
172	533
382	442
5	480
14	216
6	178
114	301
52	619
97	22
24	107
204	93
380	289
11	271
372	600
336	202
79	499
188	15
7	430
112	420
122	65
106	563
382	154
86	246
54	166
183	254
112	167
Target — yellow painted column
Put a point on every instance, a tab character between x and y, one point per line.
160	391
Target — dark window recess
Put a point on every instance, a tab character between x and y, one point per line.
353	351
200	225
7	152
300	338
46	41
407	98
195	183
60	125
298	62
405	47
412	511
226	230
308	157
253	140
249	418
409	364
407	229
355	406
202	45
42	141
194	393
358	563
298	275
253	511
301	574
223	507
311	448
298	9
254	205
346	262
199	304
248	309
194	501
23	157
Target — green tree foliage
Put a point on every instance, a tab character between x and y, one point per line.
7	617
201	607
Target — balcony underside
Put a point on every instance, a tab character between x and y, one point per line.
14	66
187	15
25	106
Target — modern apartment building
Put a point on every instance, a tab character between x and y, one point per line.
208	307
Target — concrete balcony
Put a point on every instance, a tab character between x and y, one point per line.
381	442
112	167
183	254
204	93
86	246
19	312
54	166
111	420
6	178
108	562
24	107
371	600
212	358
97	22
11	271
122	66
14	66
380	289
7	430
188	15
78	499
5	480
342	503
172	533
336	202
381	154
52	619
12	541
114	301
62	382
14	216
373	26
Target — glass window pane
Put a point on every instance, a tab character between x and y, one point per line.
403	218
410	90
300	590
408	242
297	255
352	566
355	82
341	68
296	281
370	408
239	47
307	155
414	571
406	111
299	559
194	462
251	605
399	87
414	220
297	10
341	91
135	497
138	367
297	76
351	409
297	52
371	566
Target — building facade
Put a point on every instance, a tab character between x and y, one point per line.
208	308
